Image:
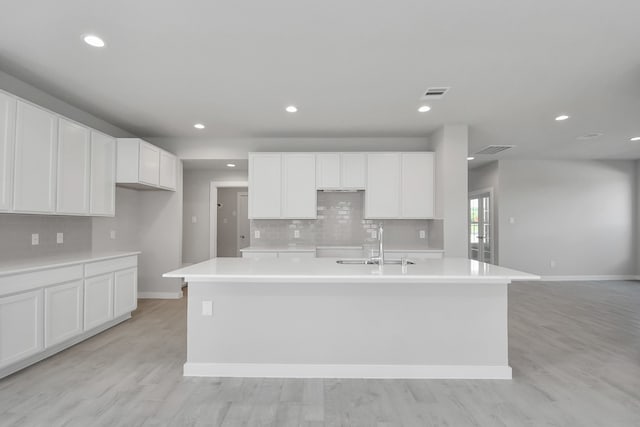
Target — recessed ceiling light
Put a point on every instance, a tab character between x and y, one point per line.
470	158
291	109
231	165
93	40
562	117
198	126
424	108
635	138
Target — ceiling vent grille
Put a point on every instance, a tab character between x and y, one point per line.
435	92
494	149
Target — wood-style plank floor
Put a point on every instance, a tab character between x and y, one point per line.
574	349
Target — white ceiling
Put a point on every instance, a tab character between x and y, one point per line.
355	68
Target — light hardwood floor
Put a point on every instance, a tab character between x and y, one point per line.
574	349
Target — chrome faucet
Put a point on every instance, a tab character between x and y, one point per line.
381	244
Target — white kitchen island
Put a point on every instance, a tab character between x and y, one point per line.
314	318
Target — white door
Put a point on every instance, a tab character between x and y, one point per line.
125	291
327	171
265	185
103	175
354	171
7	143
149	164
242	219
299	196
74	160
382	197
20	326
168	164
63	309
480	227
35	154
417	185
98	300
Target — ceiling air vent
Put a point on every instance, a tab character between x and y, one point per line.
435	92
494	149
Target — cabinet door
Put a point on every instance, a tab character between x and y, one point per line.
98	300
354	168
417	185
7	142
20	326
327	171
62	312
103	175
149	164
34	179
265	185
299	197
382	197
125	291
74	151
168	164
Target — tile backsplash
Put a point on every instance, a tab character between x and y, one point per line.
16	230
341	223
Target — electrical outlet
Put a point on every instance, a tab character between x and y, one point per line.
512	220
194	219
423	234
112	234
374	234
296	234
60	238
552	263
256	234
35	239
207	308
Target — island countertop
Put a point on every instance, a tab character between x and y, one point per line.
318	270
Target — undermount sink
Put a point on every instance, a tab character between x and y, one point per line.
370	261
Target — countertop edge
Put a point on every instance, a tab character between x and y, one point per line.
81	259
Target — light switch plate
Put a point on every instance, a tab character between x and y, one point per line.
35	239
207	308
256	234
194	219
423	234
112	234
59	238
296	234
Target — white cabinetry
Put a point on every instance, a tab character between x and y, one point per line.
35	160
7	142
125	295
20	326
417	185
103	174
340	171
299	198
74	151
98	300
63	308
382	197
265	185
144	166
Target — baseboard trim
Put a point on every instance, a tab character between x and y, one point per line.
15	367
272	370
589	278
160	295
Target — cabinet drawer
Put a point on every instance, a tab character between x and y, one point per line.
37	279
110	265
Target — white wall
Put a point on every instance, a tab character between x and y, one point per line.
126	224
197	185
580	214
485	177
451	144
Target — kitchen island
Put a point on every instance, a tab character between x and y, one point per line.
315	318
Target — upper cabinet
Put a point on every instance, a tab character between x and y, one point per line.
34	180
103	175
144	166
7	143
282	185
340	171
400	185
74	152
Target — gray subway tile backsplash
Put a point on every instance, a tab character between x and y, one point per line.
341	222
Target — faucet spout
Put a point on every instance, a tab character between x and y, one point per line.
381	244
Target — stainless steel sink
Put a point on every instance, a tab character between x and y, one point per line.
371	261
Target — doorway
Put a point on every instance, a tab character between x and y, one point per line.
481	242
228	215
242	231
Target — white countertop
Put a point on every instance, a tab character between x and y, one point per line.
318	270
35	264
303	248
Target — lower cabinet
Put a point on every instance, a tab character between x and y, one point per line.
20	326
98	300
63	307
125	291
